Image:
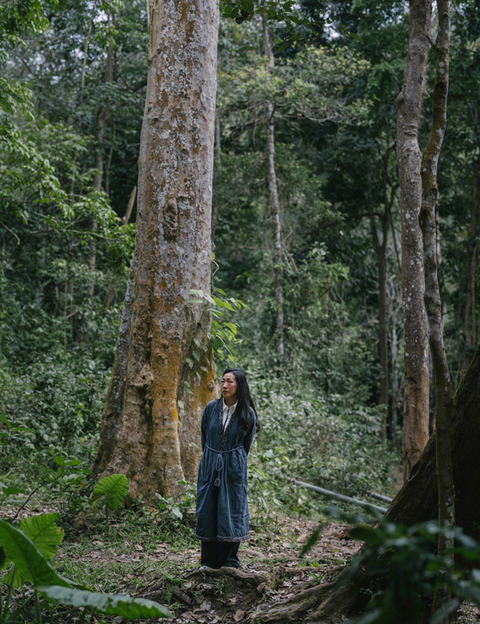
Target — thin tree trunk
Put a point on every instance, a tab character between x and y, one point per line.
102	120
395	387
275	203
151	425
131	203
381	253
409	106
109	162
433	304
86	45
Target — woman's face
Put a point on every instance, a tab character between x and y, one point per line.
228	386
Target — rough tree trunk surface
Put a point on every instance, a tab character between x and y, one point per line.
162	374
417	500
433	304
381	253
274	201
409	106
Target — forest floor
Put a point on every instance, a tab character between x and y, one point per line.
136	557
271	570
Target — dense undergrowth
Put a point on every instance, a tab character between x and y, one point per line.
52	408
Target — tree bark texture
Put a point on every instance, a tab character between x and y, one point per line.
163	374
409	106
433	303
394	308
381	253
418	498
102	121
274	202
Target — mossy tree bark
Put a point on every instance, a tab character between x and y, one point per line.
163	373
409	107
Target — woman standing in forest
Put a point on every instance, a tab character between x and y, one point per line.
228	427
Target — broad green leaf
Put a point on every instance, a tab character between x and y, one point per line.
43	532
3	559
114	488
29	562
10	490
109	604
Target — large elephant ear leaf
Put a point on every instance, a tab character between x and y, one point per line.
43	532
108	604
114	488
29	563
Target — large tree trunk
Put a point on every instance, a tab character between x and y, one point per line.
274	201
163	374
409	106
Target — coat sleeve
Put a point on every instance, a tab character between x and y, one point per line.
248	439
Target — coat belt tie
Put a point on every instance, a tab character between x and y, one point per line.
219	464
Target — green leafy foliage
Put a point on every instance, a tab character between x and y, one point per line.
110	604
53	403
224	331
177	515
43	532
405	571
29	563
112	490
335	447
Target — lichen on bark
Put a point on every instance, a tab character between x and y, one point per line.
151	424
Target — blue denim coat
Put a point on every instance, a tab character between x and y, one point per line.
222	505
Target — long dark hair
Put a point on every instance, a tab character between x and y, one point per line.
244	399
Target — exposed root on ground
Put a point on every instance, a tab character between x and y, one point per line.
250	578
292	609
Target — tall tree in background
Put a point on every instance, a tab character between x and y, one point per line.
163	373
274	199
433	304
409	107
